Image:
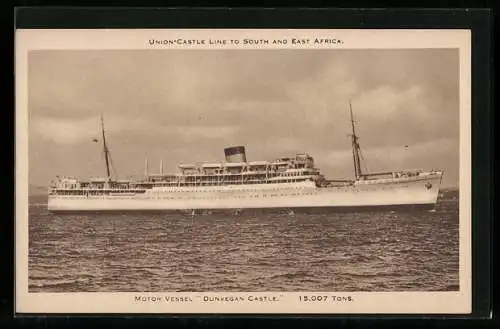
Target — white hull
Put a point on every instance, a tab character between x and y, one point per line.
400	191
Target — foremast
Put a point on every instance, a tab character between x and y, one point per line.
105	149
355	148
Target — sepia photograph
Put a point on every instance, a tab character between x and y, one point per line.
194	165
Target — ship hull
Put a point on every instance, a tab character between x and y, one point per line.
305	195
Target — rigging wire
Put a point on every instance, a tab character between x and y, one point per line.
365	168
106	154
112	166
103	156
360	152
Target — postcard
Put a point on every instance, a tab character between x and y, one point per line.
243	171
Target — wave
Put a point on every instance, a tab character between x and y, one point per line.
257	252
296	275
374	275
57	284
451	287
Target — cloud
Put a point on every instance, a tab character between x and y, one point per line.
191	104
202	132
386	102
425	155
67	131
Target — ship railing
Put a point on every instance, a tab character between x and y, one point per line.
199	183
392	174
211	165
338	180
246	171
336	183
298	169
258	163
204	175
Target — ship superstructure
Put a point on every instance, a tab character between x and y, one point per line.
235	183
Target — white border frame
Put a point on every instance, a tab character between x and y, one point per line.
363	302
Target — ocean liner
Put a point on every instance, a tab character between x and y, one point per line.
291	183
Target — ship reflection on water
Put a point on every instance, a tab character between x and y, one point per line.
379	250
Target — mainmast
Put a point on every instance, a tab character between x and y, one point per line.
355	147
106	151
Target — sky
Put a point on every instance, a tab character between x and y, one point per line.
186	106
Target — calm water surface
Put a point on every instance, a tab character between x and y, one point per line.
329	251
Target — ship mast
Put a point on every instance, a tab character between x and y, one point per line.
355	147
146	168
106	151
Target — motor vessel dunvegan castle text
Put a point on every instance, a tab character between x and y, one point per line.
236	183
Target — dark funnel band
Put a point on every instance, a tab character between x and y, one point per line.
234	150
